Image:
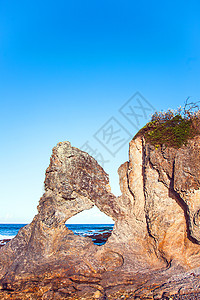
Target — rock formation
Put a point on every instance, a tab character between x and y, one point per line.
154	249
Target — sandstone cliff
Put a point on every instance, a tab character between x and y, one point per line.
153	251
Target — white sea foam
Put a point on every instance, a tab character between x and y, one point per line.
6	237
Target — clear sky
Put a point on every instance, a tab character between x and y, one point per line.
67	70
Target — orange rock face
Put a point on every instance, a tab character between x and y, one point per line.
153	251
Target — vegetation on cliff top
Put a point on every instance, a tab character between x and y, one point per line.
173	128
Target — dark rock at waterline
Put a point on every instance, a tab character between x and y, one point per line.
100	238
3	242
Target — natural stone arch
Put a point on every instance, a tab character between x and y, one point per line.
45	255
74	182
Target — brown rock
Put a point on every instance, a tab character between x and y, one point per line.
153	251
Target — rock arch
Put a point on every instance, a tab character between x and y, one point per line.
150	236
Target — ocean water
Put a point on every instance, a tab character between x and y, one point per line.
8	231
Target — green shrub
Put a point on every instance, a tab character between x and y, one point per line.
173	128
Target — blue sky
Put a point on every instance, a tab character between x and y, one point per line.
67	67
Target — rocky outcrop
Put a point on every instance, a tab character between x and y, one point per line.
153	251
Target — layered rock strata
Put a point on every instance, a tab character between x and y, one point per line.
153	251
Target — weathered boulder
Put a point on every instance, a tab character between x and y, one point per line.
153	251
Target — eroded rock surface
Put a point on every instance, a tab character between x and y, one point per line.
153	251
